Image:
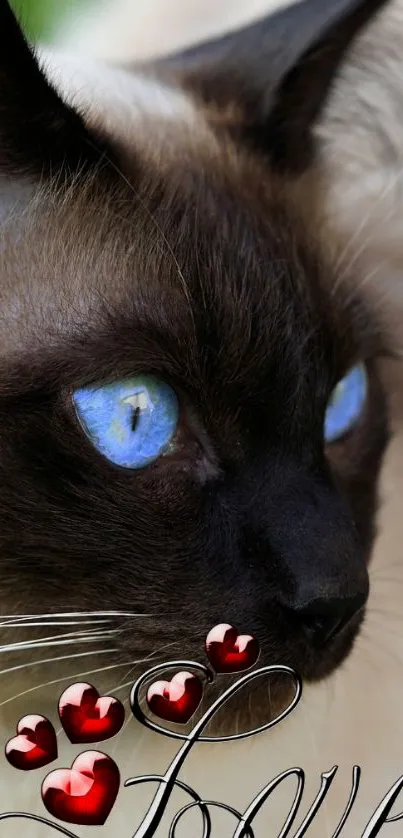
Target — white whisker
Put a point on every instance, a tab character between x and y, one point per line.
129	719
71	636
91	627
149	657
58	624
56	660
354	239
123	686
37	645
21	618
347	250
63	678
367	279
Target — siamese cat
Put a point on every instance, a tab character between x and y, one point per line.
192	419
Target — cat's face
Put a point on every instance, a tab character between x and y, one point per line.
183	276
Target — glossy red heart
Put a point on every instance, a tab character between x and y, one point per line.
88	717
229	651
35	744
85	793
176	700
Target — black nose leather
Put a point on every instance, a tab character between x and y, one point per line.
323	619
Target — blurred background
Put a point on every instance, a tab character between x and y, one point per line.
127	29
42	19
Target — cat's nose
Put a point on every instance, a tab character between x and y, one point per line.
321	578
324	618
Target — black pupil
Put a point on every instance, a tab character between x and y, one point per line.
135	417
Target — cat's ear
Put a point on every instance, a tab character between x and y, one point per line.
270	80
38	132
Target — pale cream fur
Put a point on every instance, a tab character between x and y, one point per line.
118	101
362	151
355	717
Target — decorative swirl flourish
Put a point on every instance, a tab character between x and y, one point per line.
27	816
213	804
220	702
169	780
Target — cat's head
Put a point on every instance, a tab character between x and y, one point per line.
174	320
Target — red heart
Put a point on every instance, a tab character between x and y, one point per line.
35	745
176	700
85	793
229	651
87	717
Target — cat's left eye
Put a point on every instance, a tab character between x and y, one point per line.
346	404
131	422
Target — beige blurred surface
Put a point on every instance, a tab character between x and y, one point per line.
356	717
121	29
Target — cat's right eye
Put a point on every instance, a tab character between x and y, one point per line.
346	404
132	422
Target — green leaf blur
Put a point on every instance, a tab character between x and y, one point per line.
40	19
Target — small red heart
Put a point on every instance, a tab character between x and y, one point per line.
176	700
229	651
85	793
88	717
34	746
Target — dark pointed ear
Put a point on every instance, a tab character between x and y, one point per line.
37	130
272	78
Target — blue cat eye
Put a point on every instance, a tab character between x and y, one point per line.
131	422
346	403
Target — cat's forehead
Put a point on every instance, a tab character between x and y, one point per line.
176	212
148	247
180	236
